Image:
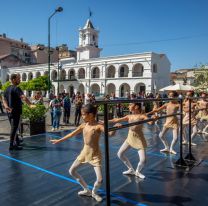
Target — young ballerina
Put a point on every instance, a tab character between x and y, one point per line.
170	123
202	115
91	152
202	104
135	139
186	117
156	105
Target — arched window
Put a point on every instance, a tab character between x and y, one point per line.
138	70
81	73
62	74
124	90
54	75
95	73
124	71
71	74
111	88
111	72
24	77
30	76
38	74
95	89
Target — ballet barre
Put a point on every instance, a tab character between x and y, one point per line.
106	103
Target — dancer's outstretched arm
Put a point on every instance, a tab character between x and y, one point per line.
161	108
74	133
122	119
111	133
157	110
144	117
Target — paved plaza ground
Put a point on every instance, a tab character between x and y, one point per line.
38	175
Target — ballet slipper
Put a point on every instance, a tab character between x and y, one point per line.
184	142
85	192
140	175
164	150
193	144
97	197
173	151
129	172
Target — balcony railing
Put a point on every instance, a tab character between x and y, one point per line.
81	76
122	74
95	76
137	74
111	76
72	77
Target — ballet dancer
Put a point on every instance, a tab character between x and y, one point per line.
202	115
90	153
186	117
135	139
171	122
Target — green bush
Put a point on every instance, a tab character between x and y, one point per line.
5	85
110	108
34	114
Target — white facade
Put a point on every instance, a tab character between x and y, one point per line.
102	75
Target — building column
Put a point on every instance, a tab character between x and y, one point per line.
130	74
116	71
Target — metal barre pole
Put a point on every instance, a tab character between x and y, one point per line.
190	156
133	100
98	102
141	122
181	162
107	168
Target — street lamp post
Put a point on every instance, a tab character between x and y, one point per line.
59	9
59	67
58	79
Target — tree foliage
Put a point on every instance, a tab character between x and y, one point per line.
5	85
37	84
201	77
23	85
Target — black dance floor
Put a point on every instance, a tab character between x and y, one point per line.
38	175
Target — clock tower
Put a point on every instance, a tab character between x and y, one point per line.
88	42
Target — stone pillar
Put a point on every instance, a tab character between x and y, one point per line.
116	71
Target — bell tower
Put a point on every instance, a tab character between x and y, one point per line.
88	42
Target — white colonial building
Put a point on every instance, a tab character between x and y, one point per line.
88	73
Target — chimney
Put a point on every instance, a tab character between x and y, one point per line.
4	35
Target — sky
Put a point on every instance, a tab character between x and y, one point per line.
177	28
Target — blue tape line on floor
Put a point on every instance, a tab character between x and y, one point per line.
70	180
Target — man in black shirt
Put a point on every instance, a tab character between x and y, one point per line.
12	101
